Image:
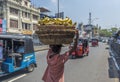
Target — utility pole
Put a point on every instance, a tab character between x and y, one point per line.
90	20
90	23
58	8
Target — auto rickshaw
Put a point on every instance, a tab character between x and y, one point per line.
94	42
15	59
82	49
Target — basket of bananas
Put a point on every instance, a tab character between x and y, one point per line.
56	31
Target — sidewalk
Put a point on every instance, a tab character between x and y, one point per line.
41	47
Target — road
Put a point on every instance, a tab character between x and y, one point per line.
92	68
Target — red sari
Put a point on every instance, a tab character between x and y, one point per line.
55	69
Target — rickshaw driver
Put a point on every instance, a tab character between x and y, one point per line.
20	48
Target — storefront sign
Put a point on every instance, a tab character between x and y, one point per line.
28	32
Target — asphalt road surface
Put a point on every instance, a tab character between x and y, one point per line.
92	68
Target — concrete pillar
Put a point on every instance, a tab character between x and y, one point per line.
20	21
8	18
31	17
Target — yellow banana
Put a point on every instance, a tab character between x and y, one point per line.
56	21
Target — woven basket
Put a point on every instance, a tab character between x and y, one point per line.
56	34
42	27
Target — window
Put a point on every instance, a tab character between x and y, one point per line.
35	17
26	15
13	23
26	3
23	14
13	11
26	26
34	27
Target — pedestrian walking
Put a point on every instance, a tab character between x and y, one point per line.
55	69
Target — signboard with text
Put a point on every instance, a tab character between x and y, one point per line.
4	27
28	32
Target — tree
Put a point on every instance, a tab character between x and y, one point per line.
105	33
114	29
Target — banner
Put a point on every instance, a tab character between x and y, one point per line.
4	27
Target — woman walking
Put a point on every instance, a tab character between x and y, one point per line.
55	69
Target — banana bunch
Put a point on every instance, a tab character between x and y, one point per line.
56	21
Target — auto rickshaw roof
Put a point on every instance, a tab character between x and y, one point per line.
14	36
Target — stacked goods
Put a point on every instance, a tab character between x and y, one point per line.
56	31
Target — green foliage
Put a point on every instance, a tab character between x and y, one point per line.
114	29
107	32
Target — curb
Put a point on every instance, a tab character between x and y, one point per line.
41	49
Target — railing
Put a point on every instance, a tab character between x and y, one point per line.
115	54
114	59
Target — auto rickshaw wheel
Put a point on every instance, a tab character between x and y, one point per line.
73	57
30	68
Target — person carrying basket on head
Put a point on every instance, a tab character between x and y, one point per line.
55	69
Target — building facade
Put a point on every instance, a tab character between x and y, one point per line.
44	12
89	30
20	16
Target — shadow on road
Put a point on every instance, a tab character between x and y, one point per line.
79	57
107	48
12	75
